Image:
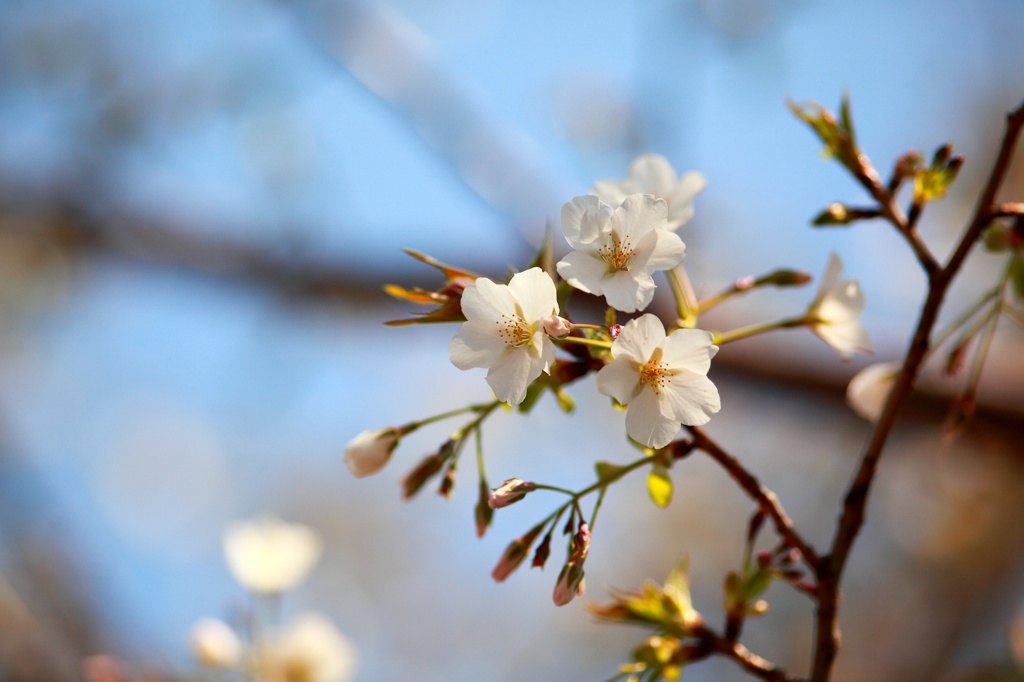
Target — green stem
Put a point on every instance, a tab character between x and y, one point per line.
760	328
587	342
682	291
483	408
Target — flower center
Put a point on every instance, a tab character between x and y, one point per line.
617	253
514	331
655	373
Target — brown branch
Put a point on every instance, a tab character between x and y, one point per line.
830	570
868	178
764	497
713	643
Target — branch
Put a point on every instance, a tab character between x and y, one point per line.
830	570
751	662
907	227
764	497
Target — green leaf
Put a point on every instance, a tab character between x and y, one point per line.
608	472
659	486
1017	274
565	401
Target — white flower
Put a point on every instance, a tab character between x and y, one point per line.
652	174
311	649
662	379
617	249
504	332
869	389
368	452
268	556
215	644
836	309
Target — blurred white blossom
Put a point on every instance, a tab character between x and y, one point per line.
310	649
268	556
653	174
214	644
869	389
836	310
504	332
663	379
617	249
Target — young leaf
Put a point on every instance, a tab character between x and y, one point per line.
659	486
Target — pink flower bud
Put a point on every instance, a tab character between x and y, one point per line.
509	492
614	330
570	584
557	327
368	452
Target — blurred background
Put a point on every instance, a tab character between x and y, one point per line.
200	201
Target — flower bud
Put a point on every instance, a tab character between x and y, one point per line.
509	492
557	327
368	452
570	584
214	644
514	554
615	330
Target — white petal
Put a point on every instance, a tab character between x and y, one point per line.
869	389
510	376
620	379
846	338
659	250
628	291
640	214
476	344
689	349
652	173
584	271
691	399
646	424
535	292
639	338
547	350
583	219
612	192
487	300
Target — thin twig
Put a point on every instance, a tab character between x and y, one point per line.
851	520
765	498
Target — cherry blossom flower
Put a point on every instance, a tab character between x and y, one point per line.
311	648
504	332
368	452
617	249
652	174
268	556
662	379
869	389
214	644
835	312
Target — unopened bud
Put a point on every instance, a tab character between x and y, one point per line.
514	554
744	283
509	492
540	557
570	584
580	543
787	278
615	330
557	327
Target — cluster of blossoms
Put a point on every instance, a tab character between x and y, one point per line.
269	557
621	235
